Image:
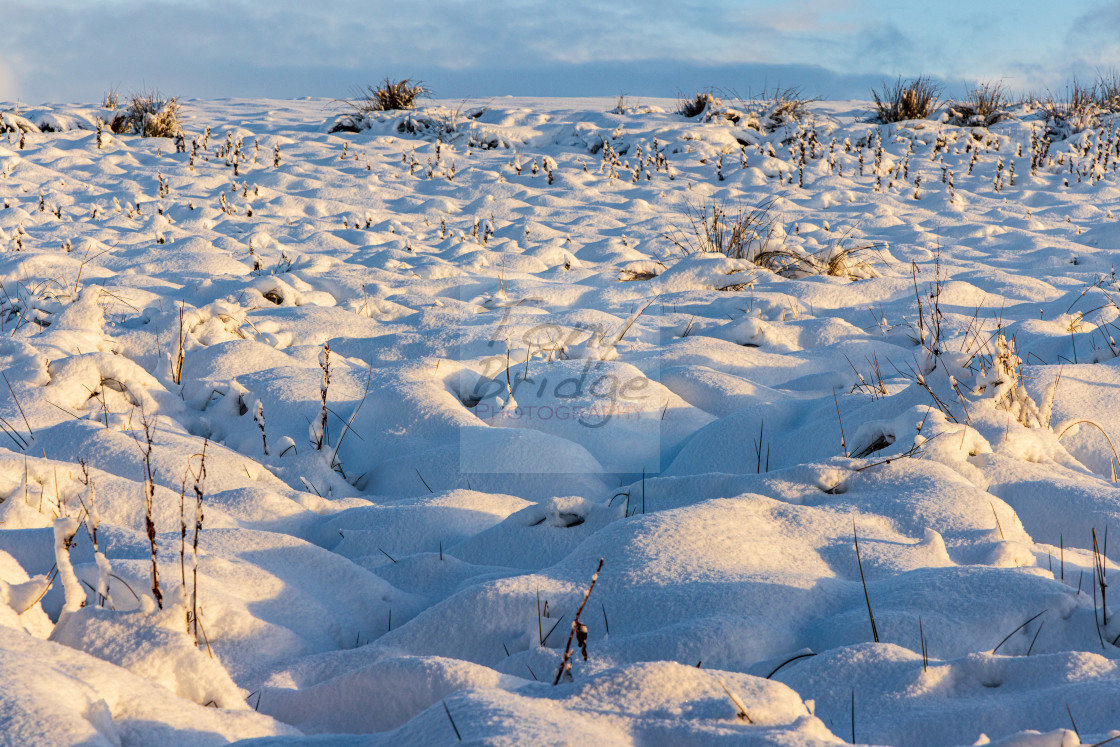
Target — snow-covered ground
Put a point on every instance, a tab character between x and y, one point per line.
527	363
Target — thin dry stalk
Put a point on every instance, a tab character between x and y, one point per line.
183	543
866	596
1100	567
199	481
925	650
1115	457
578	629
19	406
453	726
741	710
1013	632
347	428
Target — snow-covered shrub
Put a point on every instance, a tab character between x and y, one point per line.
456	125
905	100
11	122
148	114
1001	378
764	114
1078	112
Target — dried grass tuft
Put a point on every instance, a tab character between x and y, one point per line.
389	96
741	233
986	105
695	106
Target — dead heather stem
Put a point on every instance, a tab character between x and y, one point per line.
183	544
199	481
258	416
149	496
324	387
180	350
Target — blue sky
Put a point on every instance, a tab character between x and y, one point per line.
73	50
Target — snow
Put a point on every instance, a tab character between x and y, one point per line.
533	366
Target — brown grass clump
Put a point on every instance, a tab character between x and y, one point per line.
695	106
389	96
905	100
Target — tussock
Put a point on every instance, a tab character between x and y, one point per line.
905	100
148	114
